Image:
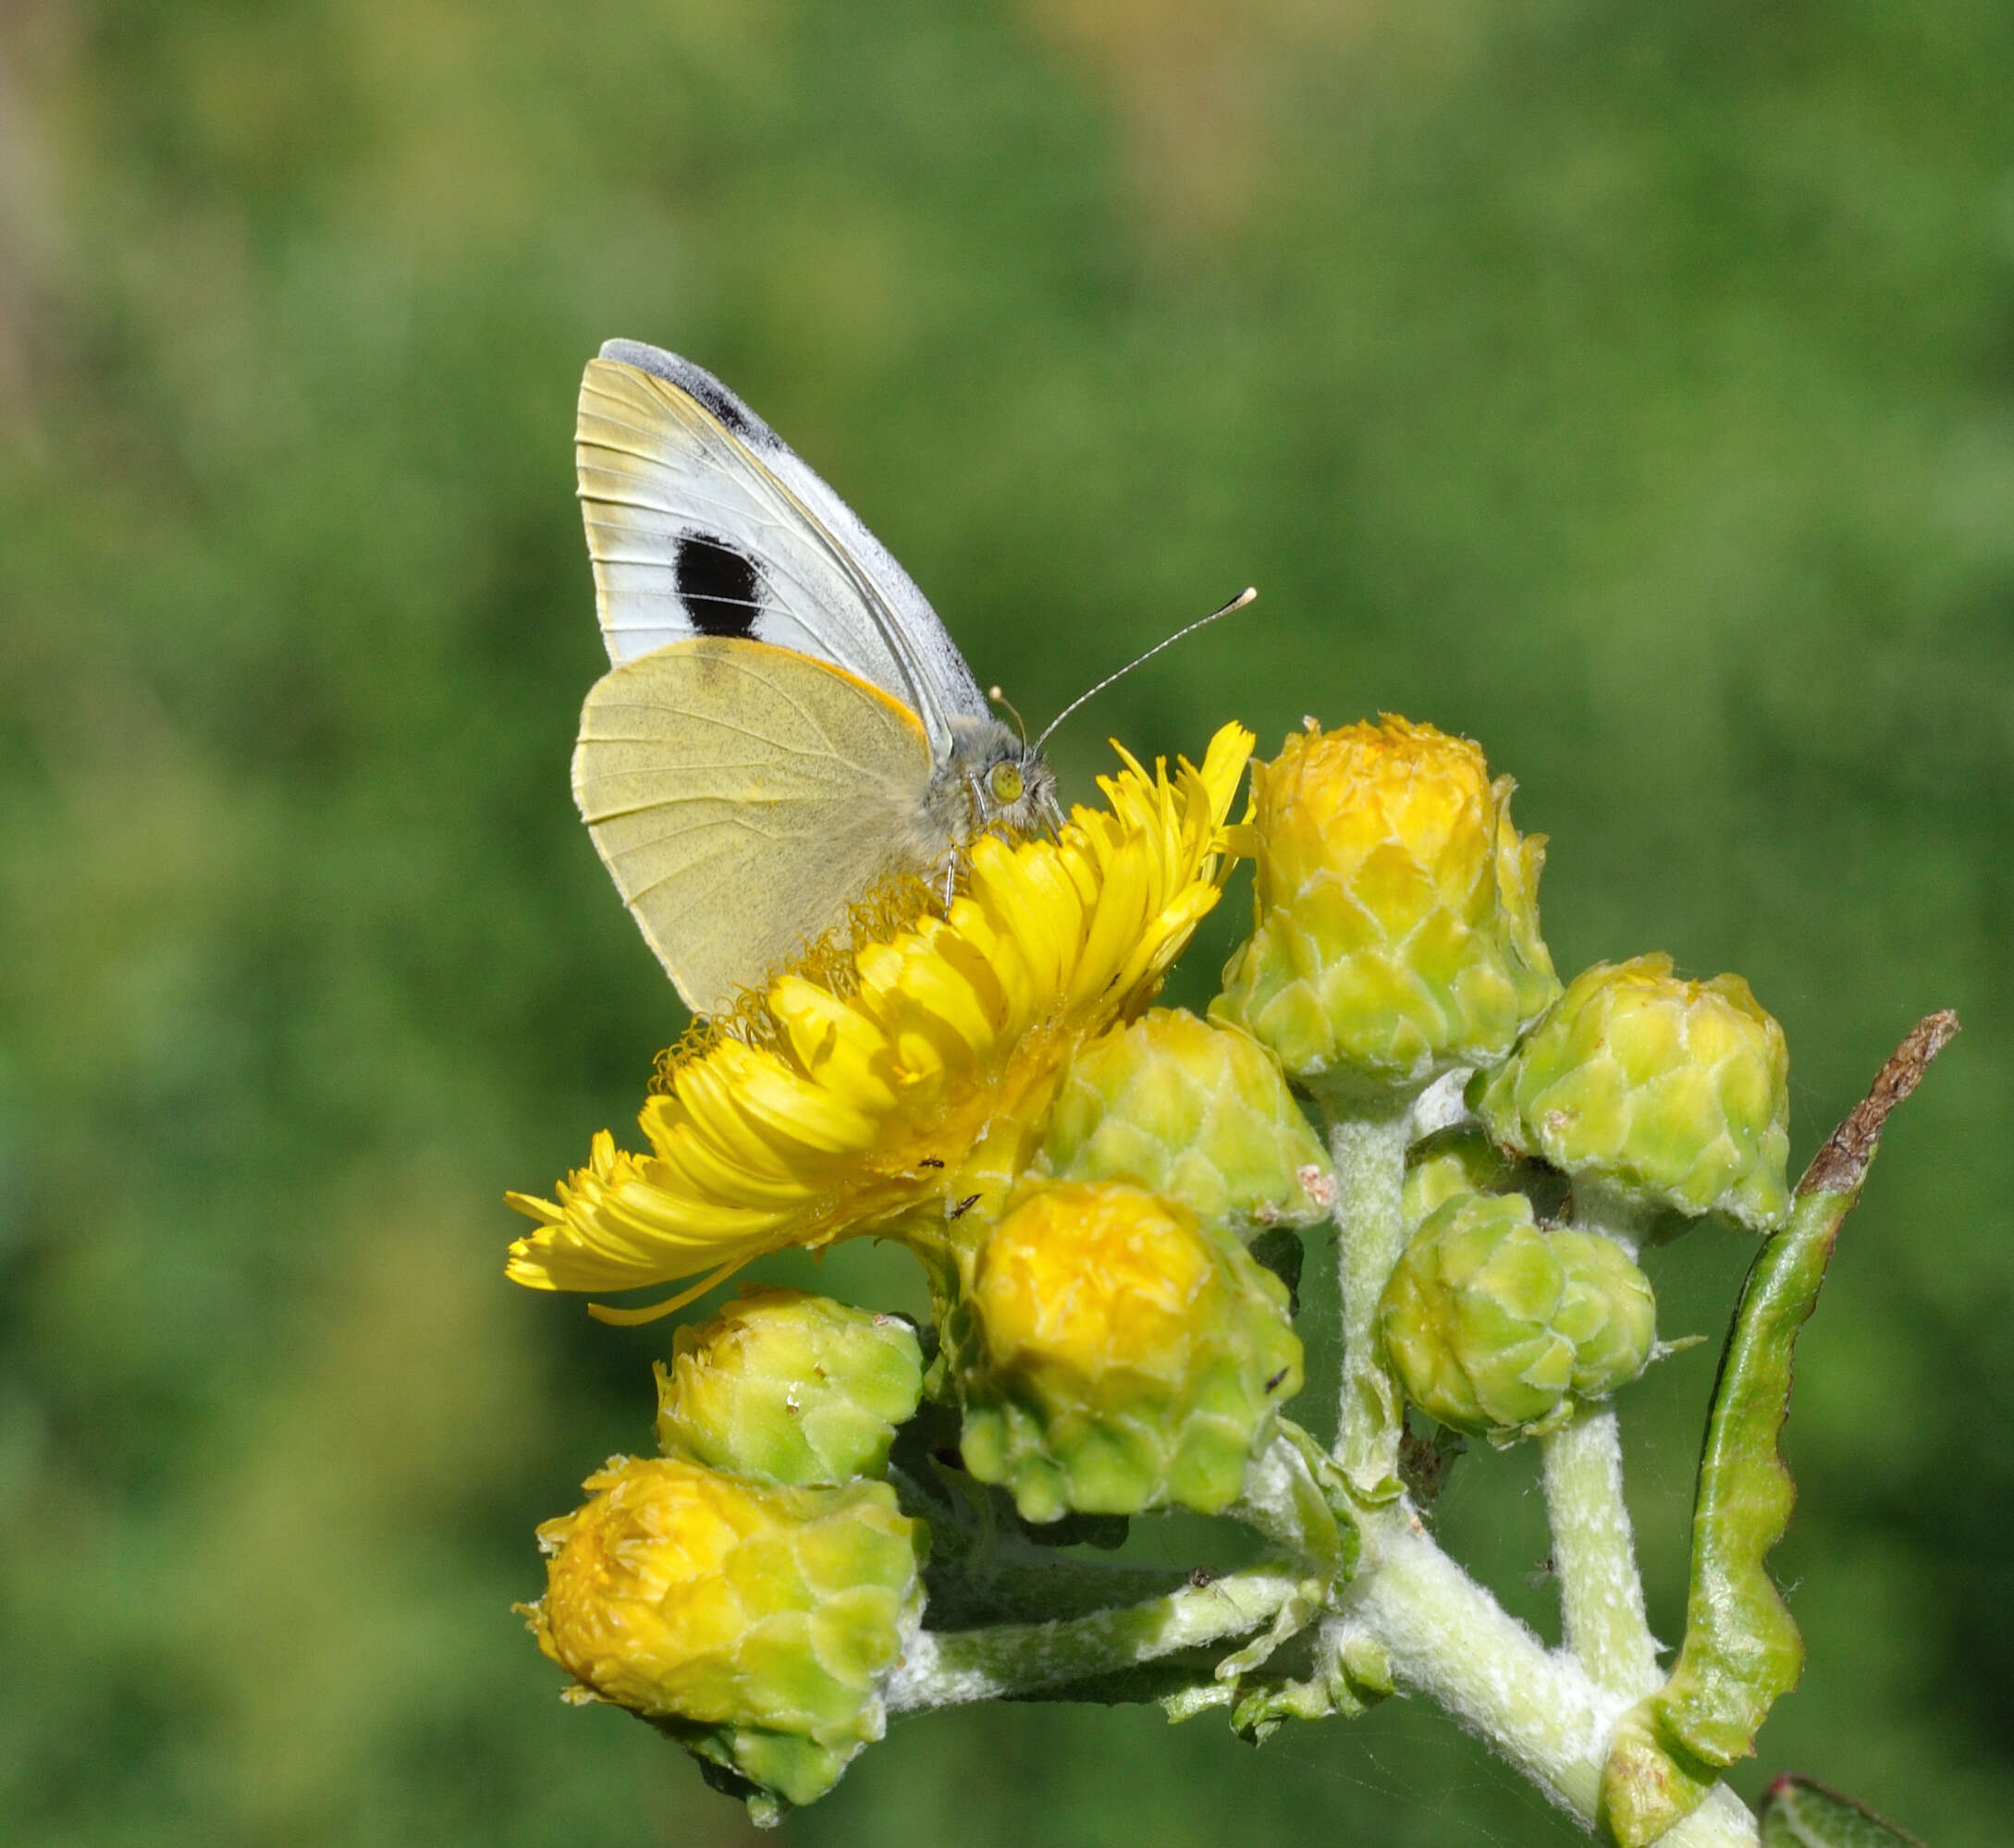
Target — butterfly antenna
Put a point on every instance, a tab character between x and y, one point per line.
1021	725
1238	602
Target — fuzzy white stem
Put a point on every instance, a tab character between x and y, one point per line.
1595	1555
1369	1154
1001	1660
1449	1640
1600	1591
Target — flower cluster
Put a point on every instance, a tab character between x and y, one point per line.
1104	1197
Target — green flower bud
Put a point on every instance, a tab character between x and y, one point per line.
1397	931
757	1626
785	1386
1195	1112
1113	1356
1675	1092
1607	1311
1498	1327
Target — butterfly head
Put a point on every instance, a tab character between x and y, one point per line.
1006	780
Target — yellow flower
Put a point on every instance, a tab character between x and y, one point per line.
909	1075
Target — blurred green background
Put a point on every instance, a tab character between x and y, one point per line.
1630	387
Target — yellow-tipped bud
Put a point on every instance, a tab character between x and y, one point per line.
1397	929
755	1625
1115	1356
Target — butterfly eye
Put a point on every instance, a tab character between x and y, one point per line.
1004	780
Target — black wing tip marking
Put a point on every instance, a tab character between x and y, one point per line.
695	382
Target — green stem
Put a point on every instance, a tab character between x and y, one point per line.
950	1668
1368	1152
1595	1555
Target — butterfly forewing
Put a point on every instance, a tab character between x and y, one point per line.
701	521
741	795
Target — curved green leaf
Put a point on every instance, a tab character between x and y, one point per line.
1742	1648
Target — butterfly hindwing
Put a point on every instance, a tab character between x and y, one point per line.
702	521
735	790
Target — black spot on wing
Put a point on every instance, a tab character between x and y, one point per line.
695	382
720	588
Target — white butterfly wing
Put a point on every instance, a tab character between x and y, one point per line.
742	796
702	521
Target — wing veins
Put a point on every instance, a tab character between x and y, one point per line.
698	420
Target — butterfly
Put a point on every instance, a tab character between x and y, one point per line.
785	723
